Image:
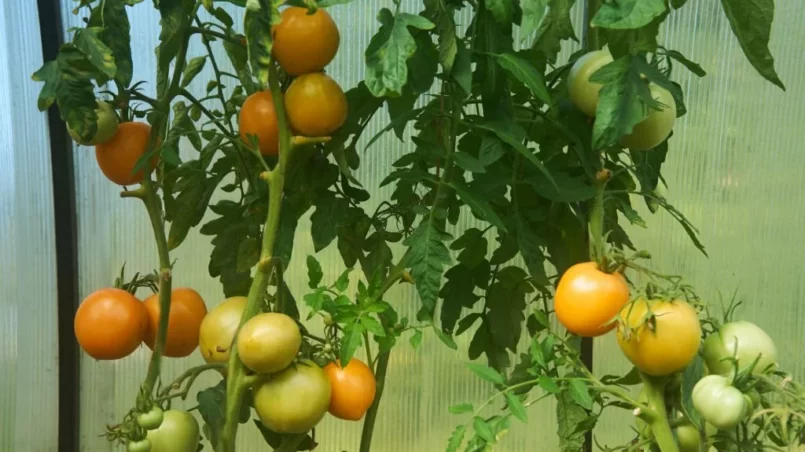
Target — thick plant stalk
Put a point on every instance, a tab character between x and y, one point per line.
236	382
657	417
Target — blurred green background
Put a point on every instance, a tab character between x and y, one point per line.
735	168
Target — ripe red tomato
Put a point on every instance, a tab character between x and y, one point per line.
186	314
587	299
110	324
352	389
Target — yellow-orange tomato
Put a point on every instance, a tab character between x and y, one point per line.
659	337
352	389
186	314
110	324
118	156
269	342
258	117
587	299
316	105
305	42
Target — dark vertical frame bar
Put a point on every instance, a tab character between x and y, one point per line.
64	209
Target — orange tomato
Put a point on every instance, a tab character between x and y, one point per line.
659	337
587	299
316	105
110	324
305	42
118	156
257	117
186	314
352	389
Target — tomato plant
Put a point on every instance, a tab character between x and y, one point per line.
743	341
494	139
152	419
719	403
106	126
352	389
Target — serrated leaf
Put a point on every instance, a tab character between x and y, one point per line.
569	415
257	25
533	13
461	408
428	255
468	163
557	26
193	68
446	29
479	206
446	338
486	373
628	14
581	394
566	189
502	10
526	73
483	430
350	342
516	406
621	103
326	220
371	325
389	50
116	35
314	272
239	57
212	407
690	65
513	135
751	23
173	20
342	282
548	385
88	41
456	438
275	439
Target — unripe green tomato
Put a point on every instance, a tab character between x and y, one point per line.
143	445
584	93
719	403
745	341
688	438
653	130
107	126
179	432
152	419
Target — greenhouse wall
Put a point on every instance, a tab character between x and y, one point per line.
735	171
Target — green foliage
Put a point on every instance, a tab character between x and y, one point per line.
751	22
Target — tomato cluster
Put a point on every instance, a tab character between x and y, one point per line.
316	106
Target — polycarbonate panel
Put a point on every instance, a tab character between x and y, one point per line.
735	169
28	333
739	137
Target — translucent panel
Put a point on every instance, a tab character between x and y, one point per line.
735	170
720	158
28	334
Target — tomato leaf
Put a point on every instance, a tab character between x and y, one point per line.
528	243
371	325
483	430
647	168
628	14
314	272
193	68
556	26
581	394
481	208
456	438
416	339
173	21
751	23
257	25
446	338
526	73
630	379
275	439
441	14
502	10
88	41
428	255
491	37
622	101
457	293
569	415
212	407
468	163
239	57
351	341
690	65
389	50
326	220
116	34
461	408
486	373
533	14
248	254
516	406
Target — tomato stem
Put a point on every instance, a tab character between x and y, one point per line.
276	180
597	225
154	207
657	416
593	41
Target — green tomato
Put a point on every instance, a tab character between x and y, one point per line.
652	131
745	341
584	93
107	126
152	419
687	436
179	432
143	445
720	404
293	400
